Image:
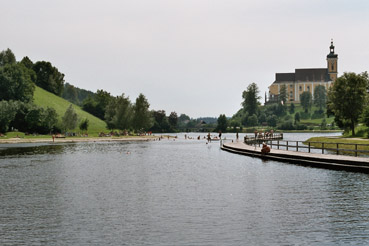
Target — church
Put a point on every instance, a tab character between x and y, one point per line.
304	79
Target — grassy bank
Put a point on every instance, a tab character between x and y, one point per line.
342	143
45	99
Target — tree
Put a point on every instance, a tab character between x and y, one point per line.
27	62
305	99
297	118
123	113
347	97
50	120
320	97
292	108
83	126
110	113
49	78
222	123
262	118
173	120
7	57
102	99
251	97
7	114
161	123
142	119
183	120
70	119
15	83
34	118
96	104
283	94
252	120
323	125
70	93
272	120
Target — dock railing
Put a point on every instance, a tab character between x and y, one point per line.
305	146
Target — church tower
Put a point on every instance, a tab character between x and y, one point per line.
332	63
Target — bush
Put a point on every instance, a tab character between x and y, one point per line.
301	127
318	114
304	115
288	125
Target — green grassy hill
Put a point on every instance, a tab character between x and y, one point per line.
45	99
309	122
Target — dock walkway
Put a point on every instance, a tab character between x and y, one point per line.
349	163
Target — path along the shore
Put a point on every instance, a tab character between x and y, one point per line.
75	139
329	161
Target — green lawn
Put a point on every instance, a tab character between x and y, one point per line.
343	143
309	122
45	99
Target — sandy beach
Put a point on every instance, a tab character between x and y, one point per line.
76	139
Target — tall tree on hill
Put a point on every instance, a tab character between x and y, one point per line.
7	57
283	94
83	126
96	104
305	99
102	99
49	77
251	96
119	113
27	62
320	97
70	93
141	115
15	83
70	119
347	97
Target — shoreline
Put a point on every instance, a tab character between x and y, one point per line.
76	139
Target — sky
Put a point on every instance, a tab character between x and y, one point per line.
194	57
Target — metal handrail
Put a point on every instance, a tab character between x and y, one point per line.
308	145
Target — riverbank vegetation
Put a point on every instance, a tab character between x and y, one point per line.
345	144
309	115
344	106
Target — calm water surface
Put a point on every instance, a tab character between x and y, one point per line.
182	192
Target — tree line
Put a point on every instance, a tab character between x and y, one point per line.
17	85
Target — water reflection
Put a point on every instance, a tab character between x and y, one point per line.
182	192
13	151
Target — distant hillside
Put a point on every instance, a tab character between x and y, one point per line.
45	99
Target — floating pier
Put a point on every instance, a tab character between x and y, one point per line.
329	161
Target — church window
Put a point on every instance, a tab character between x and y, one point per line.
300	88
308	88
290	86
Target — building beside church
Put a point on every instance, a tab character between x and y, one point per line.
304	79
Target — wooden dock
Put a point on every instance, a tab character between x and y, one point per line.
338	162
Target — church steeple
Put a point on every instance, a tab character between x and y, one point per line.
332	63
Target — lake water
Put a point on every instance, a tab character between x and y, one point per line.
182	192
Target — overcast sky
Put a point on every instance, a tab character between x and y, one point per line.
189	56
